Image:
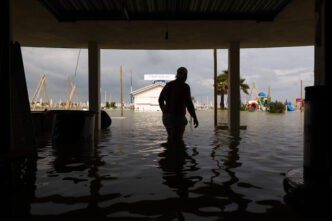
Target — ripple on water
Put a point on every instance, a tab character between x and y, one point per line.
129	174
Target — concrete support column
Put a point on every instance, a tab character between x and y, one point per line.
328	43
234	86
323	46
319	78
94	81
4	76
317	160
215	87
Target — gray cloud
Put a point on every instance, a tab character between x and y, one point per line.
281	68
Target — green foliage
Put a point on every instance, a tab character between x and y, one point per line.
244	107
107	105
112	104
276	107
222	86
222	83
244	87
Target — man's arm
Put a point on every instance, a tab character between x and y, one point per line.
190	106
161	99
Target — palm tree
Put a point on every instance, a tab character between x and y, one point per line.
222	86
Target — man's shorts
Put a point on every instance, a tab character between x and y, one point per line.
171	121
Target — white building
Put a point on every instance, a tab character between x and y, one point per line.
146	98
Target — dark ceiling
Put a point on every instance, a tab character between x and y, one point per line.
75	10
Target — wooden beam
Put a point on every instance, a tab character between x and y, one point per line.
70	96
37	89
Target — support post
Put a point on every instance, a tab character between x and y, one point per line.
234	87
94	81
68	92
4	75
328	43
323	51
317	155
121	91
215	86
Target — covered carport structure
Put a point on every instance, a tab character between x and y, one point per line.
171	24
166	24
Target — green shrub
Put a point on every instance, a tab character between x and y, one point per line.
112	104
276	107
108	105
244	107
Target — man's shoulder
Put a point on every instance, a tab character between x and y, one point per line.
186	86
170	82
177	84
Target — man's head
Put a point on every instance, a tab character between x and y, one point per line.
181	74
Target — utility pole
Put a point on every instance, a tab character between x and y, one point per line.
131	87
301	88
121	90
301	108
68	98
269	95
105	98
207	102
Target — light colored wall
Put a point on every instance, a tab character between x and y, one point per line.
148	100
147	108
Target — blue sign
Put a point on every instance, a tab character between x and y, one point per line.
162	81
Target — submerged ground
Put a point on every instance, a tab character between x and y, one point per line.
129	175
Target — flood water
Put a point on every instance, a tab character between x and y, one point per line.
129	175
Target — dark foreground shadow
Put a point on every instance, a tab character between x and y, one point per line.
17	187
212	196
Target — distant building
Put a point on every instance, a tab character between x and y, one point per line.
146	98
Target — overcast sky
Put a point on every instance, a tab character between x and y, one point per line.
281	68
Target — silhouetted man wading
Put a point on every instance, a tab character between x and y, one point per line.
173	100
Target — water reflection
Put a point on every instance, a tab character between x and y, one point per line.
71	158
219	192
175	162
128	175
68	161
